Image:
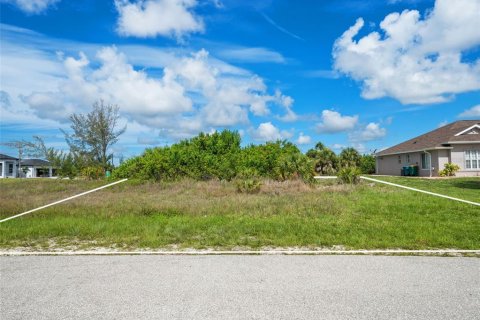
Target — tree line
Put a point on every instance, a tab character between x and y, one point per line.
219	155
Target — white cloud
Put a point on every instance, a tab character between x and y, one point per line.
251	55
268	132
304	139
473	112
372	131
415	60
151	18
162	92
32	6
334	122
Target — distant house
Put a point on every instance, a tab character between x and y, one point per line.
8	166
457	142
36	168
30	168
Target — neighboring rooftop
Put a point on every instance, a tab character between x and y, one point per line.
35	162
459	131
5	157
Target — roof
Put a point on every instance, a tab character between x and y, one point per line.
439	138
5	157
35	163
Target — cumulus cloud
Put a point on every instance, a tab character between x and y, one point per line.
303	139
371	131
268	132
193	94
32	6
473	112
151	18
415	60
334	122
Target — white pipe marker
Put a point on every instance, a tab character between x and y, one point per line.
60	201
422	191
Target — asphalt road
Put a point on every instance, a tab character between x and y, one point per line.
239	287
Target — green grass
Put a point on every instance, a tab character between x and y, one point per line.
463	188
212	214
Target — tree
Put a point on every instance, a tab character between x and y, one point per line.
24	148
349	157
326	161
94	133
367	164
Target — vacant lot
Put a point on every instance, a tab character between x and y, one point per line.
213	214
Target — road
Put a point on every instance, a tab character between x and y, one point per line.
239	287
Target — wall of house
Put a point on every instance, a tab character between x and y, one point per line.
5	169
458	157
30	173
390	165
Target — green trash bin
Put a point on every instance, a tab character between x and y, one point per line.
406	171
108	173
414	170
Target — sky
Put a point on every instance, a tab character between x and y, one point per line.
362	73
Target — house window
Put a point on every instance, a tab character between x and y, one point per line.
426	161
1	169
399	159
472	159
10	169
408	158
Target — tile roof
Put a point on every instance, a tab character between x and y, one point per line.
436	138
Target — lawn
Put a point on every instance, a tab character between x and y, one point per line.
463	188
212	214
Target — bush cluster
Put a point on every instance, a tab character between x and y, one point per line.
449	170
219	156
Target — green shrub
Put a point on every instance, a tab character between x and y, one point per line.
449	170
218	156
248	185
93	172
367	164
349	175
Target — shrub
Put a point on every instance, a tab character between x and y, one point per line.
93	172
367	164
218	156
349	175
248	185
449	170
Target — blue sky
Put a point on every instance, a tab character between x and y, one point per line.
367	74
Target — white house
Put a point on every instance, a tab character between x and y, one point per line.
30	168
36	168
8	166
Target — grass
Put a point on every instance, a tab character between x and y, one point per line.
213	214
463	188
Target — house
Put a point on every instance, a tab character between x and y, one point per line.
8	166
457	142
36	168
30	168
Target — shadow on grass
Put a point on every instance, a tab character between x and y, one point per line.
467	184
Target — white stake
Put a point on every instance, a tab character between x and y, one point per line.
423	191
60	201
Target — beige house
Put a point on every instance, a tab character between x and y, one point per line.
457	142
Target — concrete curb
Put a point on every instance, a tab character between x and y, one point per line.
244	252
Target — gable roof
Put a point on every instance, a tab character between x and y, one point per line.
451	133
5	157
